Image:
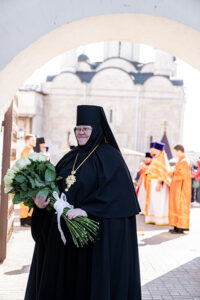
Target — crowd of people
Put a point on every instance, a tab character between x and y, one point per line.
164	191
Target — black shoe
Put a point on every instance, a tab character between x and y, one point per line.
23	222
176	231
173	231
28	221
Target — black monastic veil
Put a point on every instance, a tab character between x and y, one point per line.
109	268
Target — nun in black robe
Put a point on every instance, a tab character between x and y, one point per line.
107	269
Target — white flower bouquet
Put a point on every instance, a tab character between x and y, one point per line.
33	175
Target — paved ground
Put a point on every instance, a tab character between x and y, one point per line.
170	264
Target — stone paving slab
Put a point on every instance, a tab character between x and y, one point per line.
170	264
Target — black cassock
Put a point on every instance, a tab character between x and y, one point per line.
107	269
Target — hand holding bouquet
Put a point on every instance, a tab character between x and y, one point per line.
35	175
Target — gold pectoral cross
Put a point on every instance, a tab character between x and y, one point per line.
70	180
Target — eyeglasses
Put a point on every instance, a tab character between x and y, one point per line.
83	129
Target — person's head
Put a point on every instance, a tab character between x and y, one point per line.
83	133
30	140
40	145
148	158
179	150
92	127
158	147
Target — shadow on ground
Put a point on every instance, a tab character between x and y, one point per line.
160	234
24	269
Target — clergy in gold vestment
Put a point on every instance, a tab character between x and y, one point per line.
180	193
157	187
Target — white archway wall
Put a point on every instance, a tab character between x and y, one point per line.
22	23
165	34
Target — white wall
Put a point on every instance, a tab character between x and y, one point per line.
27	21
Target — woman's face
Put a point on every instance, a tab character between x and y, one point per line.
83	134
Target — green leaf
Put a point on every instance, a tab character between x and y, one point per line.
44	192
39	178
41	166
22	194
17	199
50	166
28	202
31	180
39	183
20	178
59	178
32	173
50	175
53	185
32	193
24	187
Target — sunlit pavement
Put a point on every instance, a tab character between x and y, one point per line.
170	264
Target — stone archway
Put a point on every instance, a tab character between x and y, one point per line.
33	33
160	32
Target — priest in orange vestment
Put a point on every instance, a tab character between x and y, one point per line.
180	193
24	215
141	190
